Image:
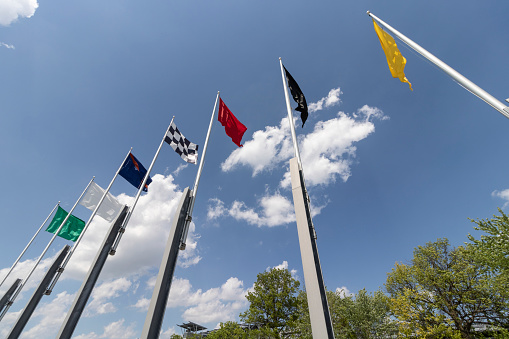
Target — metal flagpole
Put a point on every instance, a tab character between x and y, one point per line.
176	240
8	294
157	307
29	243
126	221
464	82
321	324
44	251
290	115
197	181
36	297
76	243
74	313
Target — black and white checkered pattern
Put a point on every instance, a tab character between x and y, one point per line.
186	149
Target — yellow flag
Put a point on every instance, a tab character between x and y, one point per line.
395	60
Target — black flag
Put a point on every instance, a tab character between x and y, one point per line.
298	96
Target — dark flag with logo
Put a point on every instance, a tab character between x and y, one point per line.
298	96
133	171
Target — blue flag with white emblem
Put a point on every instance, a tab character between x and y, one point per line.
133	171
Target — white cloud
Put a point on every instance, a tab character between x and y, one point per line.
265	151
344	292
50	317
7	323
189	256
215	209
502	194
330	100
284	266
180	168
327	152
104	292
114	330
7	45
11	10
117	330
274	210
148	229
21	271
213	305
168	333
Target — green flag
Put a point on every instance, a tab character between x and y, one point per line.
72	228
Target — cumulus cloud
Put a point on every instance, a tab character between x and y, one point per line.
264	151
21	271
104	292
49	317
503	195
7	45
180	168
344	292
273	210
284	266
148	228
327	152
332	99
213	305
11	10
114	330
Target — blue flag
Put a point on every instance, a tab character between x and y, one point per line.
133	171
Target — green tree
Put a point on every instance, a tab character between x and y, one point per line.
492	247
273	303
176	336
362	316
369	315
444	292
230	329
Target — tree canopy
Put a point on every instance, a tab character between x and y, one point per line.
444	291
273	302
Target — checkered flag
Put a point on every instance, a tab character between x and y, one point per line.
186	149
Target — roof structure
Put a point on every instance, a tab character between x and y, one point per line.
192	327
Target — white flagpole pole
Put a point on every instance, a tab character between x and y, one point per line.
126	221
76	243
197	181
464	82
29	243
45	250
290	116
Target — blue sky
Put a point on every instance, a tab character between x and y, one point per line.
387	168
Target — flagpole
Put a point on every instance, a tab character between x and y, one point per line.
290	115
29	243
44	251
464	82
126	221
76	243
321	323
197	181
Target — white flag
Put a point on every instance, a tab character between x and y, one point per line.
110	206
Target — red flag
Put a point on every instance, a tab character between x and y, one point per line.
233	128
